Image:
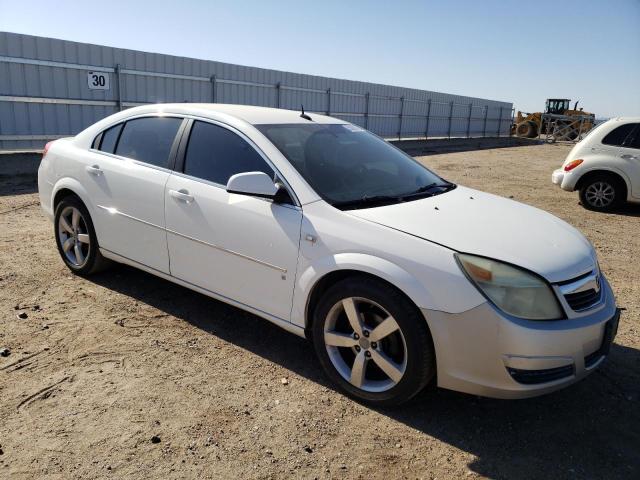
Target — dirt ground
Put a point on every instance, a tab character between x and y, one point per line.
98	367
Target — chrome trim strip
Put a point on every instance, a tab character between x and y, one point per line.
114	211
226	250
586	283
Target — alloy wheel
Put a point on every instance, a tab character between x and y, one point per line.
74	236
365	344
600	194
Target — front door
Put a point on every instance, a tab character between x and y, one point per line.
241	247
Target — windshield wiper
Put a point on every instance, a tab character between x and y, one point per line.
428	190
376	200
367	201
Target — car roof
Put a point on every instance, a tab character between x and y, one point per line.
248	113
626	119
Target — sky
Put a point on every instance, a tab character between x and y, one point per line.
520	52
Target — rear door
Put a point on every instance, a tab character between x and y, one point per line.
241	247
125	175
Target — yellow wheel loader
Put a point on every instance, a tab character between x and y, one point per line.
557	116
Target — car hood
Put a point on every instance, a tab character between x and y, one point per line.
480	223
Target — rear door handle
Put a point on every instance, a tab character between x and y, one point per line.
626	156
182	195
94	170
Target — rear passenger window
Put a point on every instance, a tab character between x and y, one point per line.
148	139
617	136
109	139
633	141
215	154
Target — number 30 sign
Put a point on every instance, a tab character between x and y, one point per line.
98	80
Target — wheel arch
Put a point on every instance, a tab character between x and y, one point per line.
66	187
317	278
586	176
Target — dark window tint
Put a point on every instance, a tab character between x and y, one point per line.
617	135
148	139
633	141
109	138
215	154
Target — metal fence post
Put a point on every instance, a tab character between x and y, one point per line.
484	125
469	121
119	83
500	123
426	130
213	89
328	102
513	114
400	117
450	115
366	110
278	95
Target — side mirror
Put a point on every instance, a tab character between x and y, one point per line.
256	184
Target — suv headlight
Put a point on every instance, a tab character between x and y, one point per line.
513	290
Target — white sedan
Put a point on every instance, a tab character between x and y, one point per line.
605	166
397	276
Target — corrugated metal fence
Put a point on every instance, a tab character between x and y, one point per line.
51	88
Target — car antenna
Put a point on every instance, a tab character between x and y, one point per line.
304	115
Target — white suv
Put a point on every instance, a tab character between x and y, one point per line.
605	166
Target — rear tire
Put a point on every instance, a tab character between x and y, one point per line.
602	193
76	238
391	359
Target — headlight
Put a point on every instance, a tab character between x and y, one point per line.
514	291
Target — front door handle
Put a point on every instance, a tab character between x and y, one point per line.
182	195
626	156
94	170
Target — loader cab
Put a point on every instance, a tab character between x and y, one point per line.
557	106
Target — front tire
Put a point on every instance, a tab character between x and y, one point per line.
372	342
602	193
76	238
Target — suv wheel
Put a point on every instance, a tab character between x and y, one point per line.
373	342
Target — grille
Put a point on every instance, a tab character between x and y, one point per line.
582	300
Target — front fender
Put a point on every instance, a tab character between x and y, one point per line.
311	274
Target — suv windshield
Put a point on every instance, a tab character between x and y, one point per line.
352	168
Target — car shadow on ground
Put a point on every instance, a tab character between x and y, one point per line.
589	430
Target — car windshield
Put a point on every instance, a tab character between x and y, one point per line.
352	168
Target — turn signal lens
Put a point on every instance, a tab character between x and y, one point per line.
572	164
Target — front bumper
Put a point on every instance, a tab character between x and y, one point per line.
483	352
